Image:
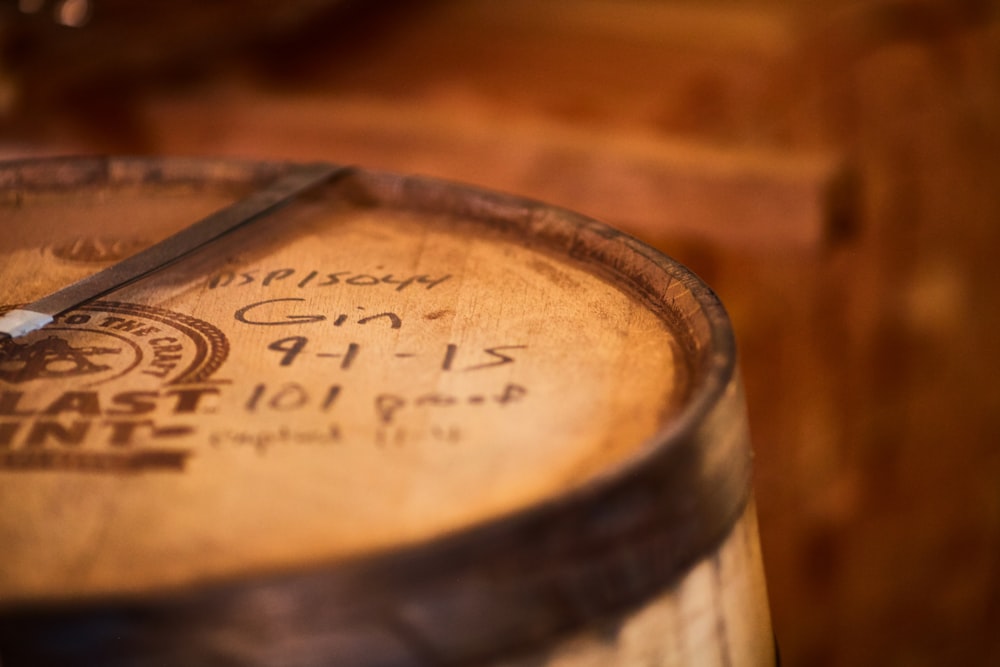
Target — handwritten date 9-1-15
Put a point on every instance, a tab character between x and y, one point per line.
449	357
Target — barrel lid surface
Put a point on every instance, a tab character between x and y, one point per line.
386	380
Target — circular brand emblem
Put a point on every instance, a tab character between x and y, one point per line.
103	341
107	387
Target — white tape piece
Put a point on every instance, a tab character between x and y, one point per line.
18	322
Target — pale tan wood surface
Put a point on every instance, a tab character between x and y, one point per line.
497	377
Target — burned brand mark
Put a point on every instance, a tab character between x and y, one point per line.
97	250
107	387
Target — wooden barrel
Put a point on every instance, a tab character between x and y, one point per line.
395	422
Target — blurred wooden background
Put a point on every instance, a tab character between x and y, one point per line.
831	168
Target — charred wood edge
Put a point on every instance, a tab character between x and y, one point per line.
500	586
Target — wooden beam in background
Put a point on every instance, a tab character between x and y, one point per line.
647	184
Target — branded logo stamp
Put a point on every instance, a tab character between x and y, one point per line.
94	250
107	387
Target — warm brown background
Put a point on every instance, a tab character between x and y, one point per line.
831	168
